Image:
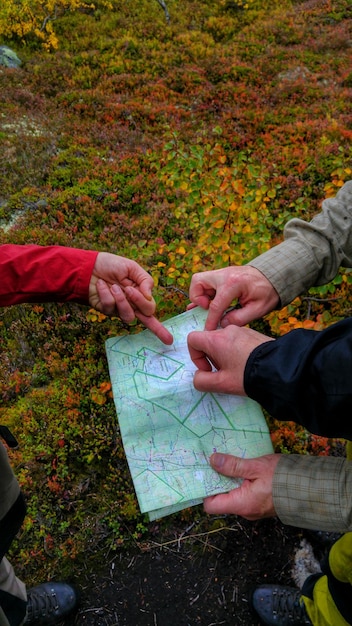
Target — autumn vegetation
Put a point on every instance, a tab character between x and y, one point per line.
183	135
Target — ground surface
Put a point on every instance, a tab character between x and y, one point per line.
205	581
181	579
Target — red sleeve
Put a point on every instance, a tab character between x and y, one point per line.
44	274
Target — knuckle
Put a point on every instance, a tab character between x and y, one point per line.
215	306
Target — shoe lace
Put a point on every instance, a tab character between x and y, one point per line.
41	604
288	605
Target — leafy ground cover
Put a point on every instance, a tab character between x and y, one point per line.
185	145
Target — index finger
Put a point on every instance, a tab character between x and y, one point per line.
140	279
139	300
217	308
200	295
153	324
222	503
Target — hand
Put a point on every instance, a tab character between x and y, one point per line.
253	499
120	286
226	349
217	289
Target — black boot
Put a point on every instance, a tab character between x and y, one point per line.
280	606
50	603
323	538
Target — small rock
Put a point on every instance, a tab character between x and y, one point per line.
9	58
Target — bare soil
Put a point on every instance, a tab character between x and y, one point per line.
190	580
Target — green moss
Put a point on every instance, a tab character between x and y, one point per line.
123	140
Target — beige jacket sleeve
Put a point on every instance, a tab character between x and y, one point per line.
311	252
314	492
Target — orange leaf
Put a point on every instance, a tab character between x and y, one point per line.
308	324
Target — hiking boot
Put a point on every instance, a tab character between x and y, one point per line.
280	606
50	603
323	538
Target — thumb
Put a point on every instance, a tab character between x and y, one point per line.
230	465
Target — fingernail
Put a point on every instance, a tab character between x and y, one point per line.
217	460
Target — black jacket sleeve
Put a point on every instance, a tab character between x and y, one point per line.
306	376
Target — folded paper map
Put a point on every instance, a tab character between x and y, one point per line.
168	428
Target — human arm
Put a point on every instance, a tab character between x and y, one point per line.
32	273
302	490
120	285
111	283
304	376
221	356
216	290
310	254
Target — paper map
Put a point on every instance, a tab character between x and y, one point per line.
168	428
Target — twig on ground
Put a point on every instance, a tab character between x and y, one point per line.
195	536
